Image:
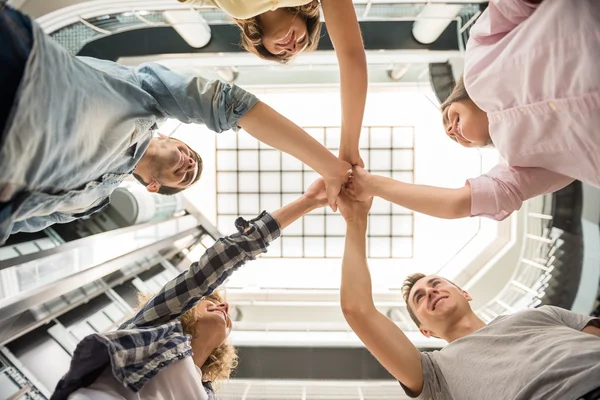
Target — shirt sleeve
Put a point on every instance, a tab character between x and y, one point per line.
571	319
434	383
501	17
203	277
502	190
190	98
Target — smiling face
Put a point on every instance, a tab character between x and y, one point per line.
466	124
284	32
437	302
174	164
212	318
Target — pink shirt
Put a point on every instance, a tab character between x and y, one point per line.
536	73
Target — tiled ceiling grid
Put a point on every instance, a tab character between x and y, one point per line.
252	177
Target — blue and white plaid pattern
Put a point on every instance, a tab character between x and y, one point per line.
153	338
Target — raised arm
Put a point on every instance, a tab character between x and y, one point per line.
494	195
222	259
380	335
272	128
344	31
221	106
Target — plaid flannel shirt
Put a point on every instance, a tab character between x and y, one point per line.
153	338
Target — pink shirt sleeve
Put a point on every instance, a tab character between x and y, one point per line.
502	190
501	17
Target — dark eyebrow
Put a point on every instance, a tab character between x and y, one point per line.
429	282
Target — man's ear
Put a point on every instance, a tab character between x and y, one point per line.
467	295
161	136
153	186
426	332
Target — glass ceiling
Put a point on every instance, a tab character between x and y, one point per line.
402	138
252	176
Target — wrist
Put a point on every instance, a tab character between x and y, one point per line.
357	223
308	204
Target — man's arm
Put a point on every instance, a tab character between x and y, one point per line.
344	31
272	128
222	259
593	330
221	106
380	335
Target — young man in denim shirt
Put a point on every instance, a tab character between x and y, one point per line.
72	128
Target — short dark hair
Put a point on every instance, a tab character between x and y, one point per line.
407	286
252	33
169	191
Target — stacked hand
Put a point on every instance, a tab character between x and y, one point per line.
349	189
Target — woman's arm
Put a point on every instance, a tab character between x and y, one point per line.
222	259
344	32
494	195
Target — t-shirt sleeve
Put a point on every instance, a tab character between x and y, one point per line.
571	319
434	384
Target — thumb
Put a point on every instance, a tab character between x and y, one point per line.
332	195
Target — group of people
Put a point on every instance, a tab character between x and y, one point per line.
73	128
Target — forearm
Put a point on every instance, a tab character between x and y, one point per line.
356	292
430	200
353	83
293	211
272	128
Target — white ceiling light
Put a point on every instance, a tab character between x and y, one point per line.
228	74
191	26
433	20
397	72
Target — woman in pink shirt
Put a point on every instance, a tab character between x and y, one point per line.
532	89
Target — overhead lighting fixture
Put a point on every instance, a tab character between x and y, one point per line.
228	74
397	72
433	20
191	26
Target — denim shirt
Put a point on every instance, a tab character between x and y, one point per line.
153	338
80	125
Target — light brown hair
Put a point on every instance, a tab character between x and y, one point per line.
458	93
252	33
223	360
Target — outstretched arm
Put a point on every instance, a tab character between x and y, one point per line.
380	335
344	31
494	195
222	259
272	128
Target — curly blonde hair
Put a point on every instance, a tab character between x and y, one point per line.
223	360
252	33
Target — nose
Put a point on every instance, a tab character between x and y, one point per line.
225	306
431	293
190	164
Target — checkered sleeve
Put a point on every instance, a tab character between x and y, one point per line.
203	277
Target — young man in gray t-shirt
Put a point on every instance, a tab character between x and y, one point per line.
537	354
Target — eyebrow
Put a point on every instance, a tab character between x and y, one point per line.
429	282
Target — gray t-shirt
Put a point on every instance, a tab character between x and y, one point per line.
536	354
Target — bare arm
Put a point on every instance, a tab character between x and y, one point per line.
344	31
430	200
380	335
592	330
272	128
494	195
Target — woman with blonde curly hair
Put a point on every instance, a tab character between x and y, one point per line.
278	30
176	343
